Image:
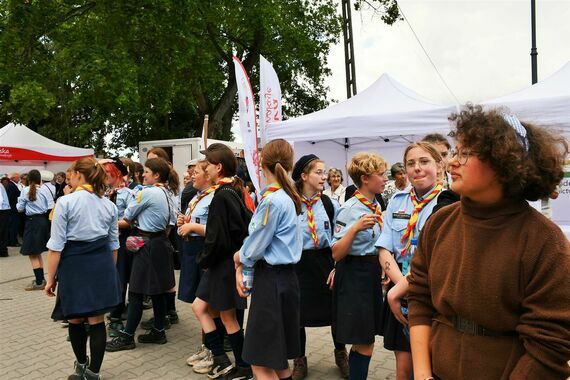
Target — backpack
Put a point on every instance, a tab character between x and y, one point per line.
329	207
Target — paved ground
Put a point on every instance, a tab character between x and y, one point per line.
34	347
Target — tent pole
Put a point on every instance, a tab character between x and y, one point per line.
533	51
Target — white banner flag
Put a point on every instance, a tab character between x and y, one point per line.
247	123
269	97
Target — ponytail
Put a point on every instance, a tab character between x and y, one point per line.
283	179
34	180
93	172
173	181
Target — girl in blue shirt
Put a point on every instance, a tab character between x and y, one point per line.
406	215
34	202
273	246
152	270
83	250
357	293
317	223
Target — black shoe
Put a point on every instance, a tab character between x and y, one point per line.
172	317
153	336
149	324
240	373
122	342
222	365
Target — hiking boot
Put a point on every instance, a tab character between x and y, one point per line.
172	317
89	375
114	326
35	286
153	336
205	365
341	361
222	365
198	356
79	370
300	369
122	342
240	373
149	323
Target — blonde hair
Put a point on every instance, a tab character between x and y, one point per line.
365	164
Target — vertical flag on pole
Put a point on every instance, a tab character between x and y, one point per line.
247	123
269	97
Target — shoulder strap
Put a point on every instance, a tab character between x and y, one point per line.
329	208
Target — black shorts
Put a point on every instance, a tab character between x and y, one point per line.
218	287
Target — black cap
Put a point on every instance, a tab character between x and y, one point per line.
301	164
119	164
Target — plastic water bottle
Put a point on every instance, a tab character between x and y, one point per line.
247	278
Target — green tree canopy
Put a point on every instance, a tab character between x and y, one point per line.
78	71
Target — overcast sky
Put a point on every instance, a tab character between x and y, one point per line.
481	48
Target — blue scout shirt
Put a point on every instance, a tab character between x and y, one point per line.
4	202
124	197
322	224
39	206
396	220
349	213
274	232
150	208
83	216
200	213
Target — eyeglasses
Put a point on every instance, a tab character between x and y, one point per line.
321	173
423	163
462	154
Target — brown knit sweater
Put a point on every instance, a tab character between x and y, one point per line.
505	267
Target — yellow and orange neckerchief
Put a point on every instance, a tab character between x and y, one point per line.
209	190
311	217
85	187
375	208
270	189
418	206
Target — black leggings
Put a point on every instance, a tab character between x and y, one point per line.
135	311
303	336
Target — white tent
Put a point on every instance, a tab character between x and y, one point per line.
384	119
545	103
22	149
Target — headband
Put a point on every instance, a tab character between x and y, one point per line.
515	123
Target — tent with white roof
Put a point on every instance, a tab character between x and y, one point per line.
22	149
384	118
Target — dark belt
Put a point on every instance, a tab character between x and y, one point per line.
193	238
469	327
326	250
265	264
151	234
366	259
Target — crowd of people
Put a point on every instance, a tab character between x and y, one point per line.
447	261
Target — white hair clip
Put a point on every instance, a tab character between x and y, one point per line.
520	130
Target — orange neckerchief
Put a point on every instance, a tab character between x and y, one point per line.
418	206
311	218
375	208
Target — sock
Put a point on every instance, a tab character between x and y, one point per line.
214	343
171	302
39	273
135	311
159	310
78	338
220	328
97	341
358	366
236	340
337	345
303	340
239	316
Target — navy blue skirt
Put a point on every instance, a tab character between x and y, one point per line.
190	271
88	282
124	257
36	235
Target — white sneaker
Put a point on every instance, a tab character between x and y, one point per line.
205	365
198	356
